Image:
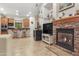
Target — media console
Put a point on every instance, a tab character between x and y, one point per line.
47	38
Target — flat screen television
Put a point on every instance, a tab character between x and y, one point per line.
48	28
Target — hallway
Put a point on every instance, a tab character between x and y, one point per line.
28	47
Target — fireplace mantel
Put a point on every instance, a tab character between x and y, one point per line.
67	23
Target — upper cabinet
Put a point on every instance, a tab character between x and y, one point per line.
4	20
26	23
11	20
11	23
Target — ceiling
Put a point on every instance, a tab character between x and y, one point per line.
49	6
24	9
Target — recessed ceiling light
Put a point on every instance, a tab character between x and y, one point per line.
17	10
2	9
27	15
30	12
17	14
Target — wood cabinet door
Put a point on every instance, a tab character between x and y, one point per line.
4	21
11	20
26	23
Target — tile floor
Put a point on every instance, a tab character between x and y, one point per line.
28	47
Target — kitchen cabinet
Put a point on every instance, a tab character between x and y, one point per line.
26	23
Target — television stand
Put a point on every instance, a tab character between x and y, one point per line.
47	38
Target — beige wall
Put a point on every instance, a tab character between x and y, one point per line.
67	11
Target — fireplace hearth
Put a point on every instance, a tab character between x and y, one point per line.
65	38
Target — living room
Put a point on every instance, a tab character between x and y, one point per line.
39	29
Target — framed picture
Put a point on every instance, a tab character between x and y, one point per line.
64	6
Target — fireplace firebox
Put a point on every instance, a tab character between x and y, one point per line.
65	38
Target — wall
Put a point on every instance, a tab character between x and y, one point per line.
57	14
54	11
43	16
32	25
41	22
69	11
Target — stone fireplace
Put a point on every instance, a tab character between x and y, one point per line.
65	38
